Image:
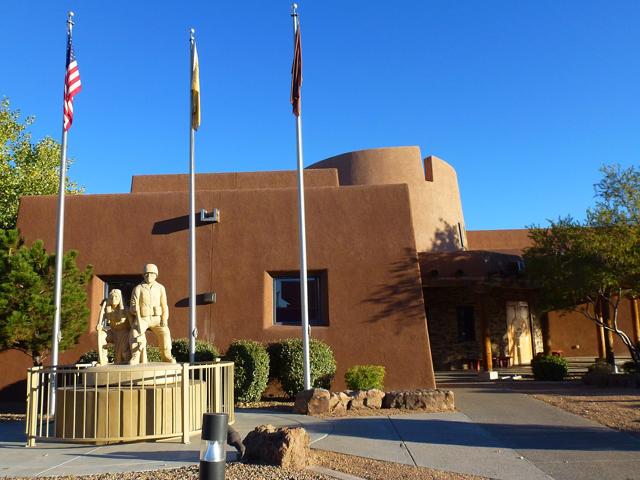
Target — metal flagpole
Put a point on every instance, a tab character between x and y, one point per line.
303	237
193	331
59	249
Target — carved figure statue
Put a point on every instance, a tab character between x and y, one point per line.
113	327
150	312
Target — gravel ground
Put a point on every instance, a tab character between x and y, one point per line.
361	467
378	470
618	410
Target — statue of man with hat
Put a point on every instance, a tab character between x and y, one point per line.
150	311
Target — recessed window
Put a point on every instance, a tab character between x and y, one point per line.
125	283
287	304
466	323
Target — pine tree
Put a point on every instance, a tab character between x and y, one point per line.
27	282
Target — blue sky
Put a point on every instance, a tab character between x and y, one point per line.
526	99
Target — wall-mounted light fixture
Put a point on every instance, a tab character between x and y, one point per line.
210	217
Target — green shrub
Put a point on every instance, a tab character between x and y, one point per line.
365	377
251	369
630	367
598	374
286	359
549	367
92	355
205	351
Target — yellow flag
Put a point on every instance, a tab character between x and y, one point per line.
195	91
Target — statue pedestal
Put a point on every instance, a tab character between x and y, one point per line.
116	403
144	373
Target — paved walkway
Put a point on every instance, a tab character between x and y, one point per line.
497	434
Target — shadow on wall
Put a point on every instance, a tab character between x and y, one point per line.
403	296
12	397
446	239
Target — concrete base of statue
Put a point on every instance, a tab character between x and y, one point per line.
143	373
109	403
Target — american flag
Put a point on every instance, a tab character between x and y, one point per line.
72	86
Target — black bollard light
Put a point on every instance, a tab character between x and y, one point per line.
212	448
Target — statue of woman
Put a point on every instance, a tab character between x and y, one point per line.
113	327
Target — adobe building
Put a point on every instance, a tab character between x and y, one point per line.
394	278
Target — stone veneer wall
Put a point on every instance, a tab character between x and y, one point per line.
441	304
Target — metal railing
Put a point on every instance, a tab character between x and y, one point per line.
118	403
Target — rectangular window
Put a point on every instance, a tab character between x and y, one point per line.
286	299
466	323
125	283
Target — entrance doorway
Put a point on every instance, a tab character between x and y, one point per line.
519	333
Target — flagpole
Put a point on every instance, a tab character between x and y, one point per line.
59	249
193	331
303	236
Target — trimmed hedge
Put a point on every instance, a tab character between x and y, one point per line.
205	351
286	364
549	367
365	377
251	369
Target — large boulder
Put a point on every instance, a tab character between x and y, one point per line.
374	398
314	401
283	447
339	403
358	399
421	399
365	399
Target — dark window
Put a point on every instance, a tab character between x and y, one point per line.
466	324
125	283
286	299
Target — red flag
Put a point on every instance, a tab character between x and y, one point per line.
72	85
296	74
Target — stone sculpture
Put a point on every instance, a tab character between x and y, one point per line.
149	311
113	327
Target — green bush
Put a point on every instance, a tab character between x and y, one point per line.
549	367
286	360
365	377
598	374
205	351
251	369
630	367
92	355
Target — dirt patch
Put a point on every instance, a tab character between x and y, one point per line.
617	410
361	467
378	470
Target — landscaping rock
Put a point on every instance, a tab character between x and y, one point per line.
422	399
374	398
283	447
358	399
339	402
314	401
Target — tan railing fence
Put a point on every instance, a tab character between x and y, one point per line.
117	403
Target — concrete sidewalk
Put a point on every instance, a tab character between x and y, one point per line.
50	458
497	434
563	445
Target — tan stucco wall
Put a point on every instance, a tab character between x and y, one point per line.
233	181
505	241
362	236
436	208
